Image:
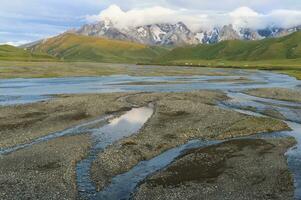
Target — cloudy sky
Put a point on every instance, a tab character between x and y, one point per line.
23	21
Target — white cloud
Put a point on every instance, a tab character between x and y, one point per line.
246	17
19	17
16	43
151	15
240	17
134	17
224	5
285	18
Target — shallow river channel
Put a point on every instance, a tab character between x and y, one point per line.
107	130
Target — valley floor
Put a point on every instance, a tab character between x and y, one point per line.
291	67
16	69
229	136
47	170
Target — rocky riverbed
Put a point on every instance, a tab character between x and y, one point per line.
24	123
178	118
46	170
238	169
293	95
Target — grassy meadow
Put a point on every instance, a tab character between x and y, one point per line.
74	55
10	53
71	47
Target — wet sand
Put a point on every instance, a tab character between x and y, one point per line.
238	169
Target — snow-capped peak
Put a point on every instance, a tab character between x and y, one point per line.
180	34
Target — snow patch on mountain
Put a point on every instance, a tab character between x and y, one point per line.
179	34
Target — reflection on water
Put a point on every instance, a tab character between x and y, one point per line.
124	126
128	123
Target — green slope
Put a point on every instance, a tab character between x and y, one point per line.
10	53
288	47
71	47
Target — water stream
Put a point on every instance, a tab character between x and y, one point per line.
241	103
79	129
20	91
118	128
124	185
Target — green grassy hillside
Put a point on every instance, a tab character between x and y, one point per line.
10	53
71	47
288	47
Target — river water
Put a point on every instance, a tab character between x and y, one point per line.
21	91
116	129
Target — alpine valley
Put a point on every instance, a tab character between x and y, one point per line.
273	47
166	99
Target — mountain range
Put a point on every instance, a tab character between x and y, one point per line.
163	43
72	47
179	34
283	48
75	47
155	34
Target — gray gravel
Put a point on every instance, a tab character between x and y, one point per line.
24	123
44	171
47	170
277	93
239	169
178	118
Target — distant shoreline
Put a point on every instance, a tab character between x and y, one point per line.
56	69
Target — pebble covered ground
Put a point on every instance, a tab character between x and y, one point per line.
47	170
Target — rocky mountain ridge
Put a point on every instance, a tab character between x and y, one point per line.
179	34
